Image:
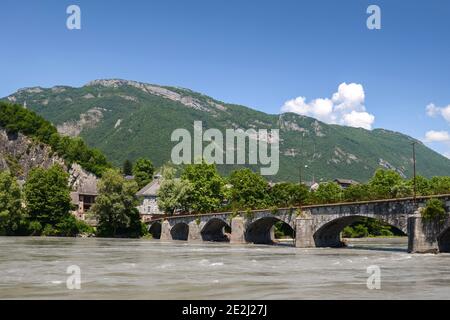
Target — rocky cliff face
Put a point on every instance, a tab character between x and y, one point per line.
19	154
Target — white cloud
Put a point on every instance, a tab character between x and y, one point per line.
359	119
349	96
346	107
433	111
437	136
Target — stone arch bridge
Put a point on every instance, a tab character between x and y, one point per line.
313	226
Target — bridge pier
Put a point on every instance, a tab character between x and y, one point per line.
423	235
165	231
304	231
237	230
194	231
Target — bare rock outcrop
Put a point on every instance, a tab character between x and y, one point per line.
19	154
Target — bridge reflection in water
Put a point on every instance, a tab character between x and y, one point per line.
313	226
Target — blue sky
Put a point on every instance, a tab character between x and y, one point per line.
253	52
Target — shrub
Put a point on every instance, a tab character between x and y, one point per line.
359	231
48	231
434	210
35	228
85	228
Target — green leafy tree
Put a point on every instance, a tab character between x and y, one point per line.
402	189
11	212
357	231
423	185
173	194
368	227
440	185
143	172
434	210
47	195
207	192
383	184
288	194
115	206
357	192
328	192
249	190
127	168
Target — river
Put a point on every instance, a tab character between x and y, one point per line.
35	268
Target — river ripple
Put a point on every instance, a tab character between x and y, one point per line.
35	268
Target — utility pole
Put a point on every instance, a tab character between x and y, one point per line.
300	173
414	166
301	160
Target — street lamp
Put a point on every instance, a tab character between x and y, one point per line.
300	172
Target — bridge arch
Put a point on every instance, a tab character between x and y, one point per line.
215	230
328	234
444	240
261	231
180	231
155	229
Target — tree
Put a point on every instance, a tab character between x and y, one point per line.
47	195
207	192
127	168
288	194
249	190
173	193
383	183
357	192
115	206
440	185
369	227
143	172
329	192
402	189
423	185
11	212
434	210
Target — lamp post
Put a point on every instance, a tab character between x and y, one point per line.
414	167
300	171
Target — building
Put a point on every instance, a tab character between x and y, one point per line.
311	185
149	196
84	190
345	183
84	197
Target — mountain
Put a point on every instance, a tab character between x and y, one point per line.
128	119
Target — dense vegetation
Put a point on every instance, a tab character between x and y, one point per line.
136	123
143	171
46	210
15	118
434	210
115	207
47	206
